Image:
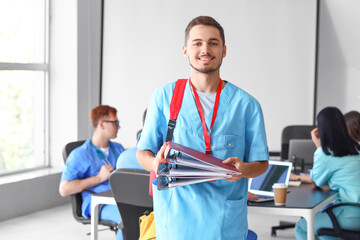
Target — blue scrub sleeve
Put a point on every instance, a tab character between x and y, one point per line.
256	143
73	169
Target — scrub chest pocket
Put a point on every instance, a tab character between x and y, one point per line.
228	145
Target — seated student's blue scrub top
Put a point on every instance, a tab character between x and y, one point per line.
342	174
85	161
128	159
211	210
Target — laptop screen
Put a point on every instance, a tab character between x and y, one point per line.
278	172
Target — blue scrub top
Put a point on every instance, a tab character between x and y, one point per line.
84	162
211	210
339	173
128	159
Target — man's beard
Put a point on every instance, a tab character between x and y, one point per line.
206	70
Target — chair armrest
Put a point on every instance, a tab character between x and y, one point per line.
340	205
333	219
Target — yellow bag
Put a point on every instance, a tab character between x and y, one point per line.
147	226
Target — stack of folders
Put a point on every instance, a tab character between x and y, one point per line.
184	166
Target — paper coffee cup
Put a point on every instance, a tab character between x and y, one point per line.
280	190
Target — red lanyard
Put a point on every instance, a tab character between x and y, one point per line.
198	105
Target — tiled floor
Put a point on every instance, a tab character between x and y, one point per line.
58	224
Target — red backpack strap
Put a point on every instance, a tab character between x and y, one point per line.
175	106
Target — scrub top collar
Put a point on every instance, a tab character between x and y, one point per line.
192	111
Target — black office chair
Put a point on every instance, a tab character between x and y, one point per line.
76	199
336	231
288	133
130	188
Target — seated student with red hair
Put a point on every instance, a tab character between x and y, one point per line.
90	165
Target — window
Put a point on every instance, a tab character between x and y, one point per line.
23	79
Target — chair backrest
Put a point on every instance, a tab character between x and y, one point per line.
130	188
301	154
69	147
76	199
293	132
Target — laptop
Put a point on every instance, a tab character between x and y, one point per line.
278	172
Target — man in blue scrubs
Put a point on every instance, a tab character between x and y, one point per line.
218	118
89	166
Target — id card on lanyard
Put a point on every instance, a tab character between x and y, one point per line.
201	114
175	105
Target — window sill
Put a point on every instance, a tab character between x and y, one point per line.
17	177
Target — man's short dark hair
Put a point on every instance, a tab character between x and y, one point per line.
207	21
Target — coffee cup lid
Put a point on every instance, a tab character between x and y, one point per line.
279	185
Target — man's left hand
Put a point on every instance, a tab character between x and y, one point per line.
238	164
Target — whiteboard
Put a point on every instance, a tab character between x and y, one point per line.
270	54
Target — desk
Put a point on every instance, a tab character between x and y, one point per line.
96	200
302	201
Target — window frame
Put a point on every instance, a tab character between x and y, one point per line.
40	67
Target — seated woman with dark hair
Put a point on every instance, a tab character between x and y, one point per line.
336	163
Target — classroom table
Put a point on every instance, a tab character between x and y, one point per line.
303	201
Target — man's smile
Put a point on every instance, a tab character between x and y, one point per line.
206	58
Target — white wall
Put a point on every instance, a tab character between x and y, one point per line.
63	77
339	55
271	54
